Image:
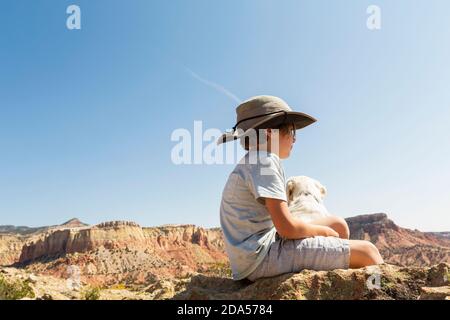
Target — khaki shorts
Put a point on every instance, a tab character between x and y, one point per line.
318	253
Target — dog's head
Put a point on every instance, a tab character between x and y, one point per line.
296	186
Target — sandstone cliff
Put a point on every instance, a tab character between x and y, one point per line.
109	235
121	251
10	248
398	245
12	238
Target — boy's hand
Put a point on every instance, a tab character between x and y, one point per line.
327	232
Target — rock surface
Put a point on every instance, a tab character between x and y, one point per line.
10	248
438	293
375	282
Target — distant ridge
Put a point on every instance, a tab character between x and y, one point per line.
23	230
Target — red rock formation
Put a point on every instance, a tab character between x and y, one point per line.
10	249
398	245
124	251
115	234
114	251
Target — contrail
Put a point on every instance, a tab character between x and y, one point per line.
216	86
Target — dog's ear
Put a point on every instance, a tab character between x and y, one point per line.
290	190
323	190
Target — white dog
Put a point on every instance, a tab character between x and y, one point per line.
305	198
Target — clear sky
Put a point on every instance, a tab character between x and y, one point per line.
86	116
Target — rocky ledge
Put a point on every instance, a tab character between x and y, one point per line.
375	282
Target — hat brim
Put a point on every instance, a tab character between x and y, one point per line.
300	120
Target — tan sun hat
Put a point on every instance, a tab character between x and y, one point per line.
263	112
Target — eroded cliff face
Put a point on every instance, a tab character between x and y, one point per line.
13	239
122	251
109	235
120	234
10	249
397	245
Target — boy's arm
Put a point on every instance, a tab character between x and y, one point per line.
291	228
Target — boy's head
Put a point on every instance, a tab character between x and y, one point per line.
279	139
266	123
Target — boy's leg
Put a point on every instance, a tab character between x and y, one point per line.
338	224
363	254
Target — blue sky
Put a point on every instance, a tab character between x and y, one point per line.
86	115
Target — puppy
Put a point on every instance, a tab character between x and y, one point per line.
305	198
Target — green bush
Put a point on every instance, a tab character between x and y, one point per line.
15	290
118	286
219	269
91	293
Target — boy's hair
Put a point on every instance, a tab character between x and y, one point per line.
248	142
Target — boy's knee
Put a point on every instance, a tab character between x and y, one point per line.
364	253
373	254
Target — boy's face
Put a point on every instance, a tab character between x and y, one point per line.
286	141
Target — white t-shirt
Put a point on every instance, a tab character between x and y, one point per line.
246	223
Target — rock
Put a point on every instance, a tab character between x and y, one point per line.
32	278
438	293
121	251
206	244
161	290
10	248
45	296
117	224
375	282
399	245
110	234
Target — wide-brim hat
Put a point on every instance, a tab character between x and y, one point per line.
263	112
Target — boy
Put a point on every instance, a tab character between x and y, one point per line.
262	238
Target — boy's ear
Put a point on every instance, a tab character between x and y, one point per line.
290	190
